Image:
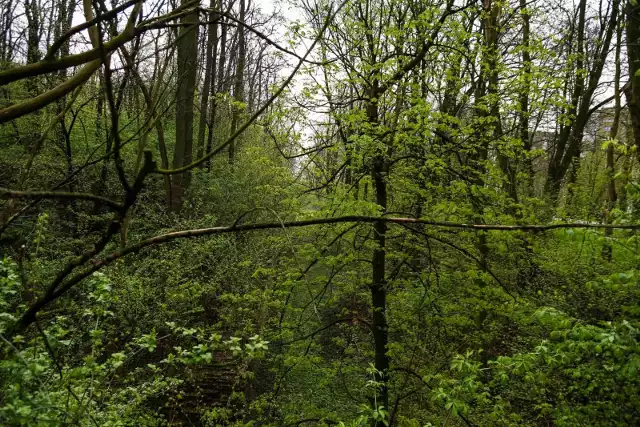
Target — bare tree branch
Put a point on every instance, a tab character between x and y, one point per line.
7	193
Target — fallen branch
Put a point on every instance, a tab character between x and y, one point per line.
57	291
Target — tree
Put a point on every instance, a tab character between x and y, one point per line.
238	85
207	113
612	195
568	145
632	90
187	45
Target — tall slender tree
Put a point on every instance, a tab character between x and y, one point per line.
206	101
632	90
187	45
569	142
238	86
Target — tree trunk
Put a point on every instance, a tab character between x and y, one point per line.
214	84
223	53
209	76
187	46
378	261
569	142
478	160
613	133
632	91
232	59
556	172
524	97
33	31
32	13
491	34
238	90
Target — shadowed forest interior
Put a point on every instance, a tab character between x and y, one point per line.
319	213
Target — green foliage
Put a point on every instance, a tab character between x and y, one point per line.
275	327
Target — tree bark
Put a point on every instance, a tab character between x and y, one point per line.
523	124
214	86
569	141
632	91
187	46
491	34
209	76
238	89
478	158
223	53
378	262
612	196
